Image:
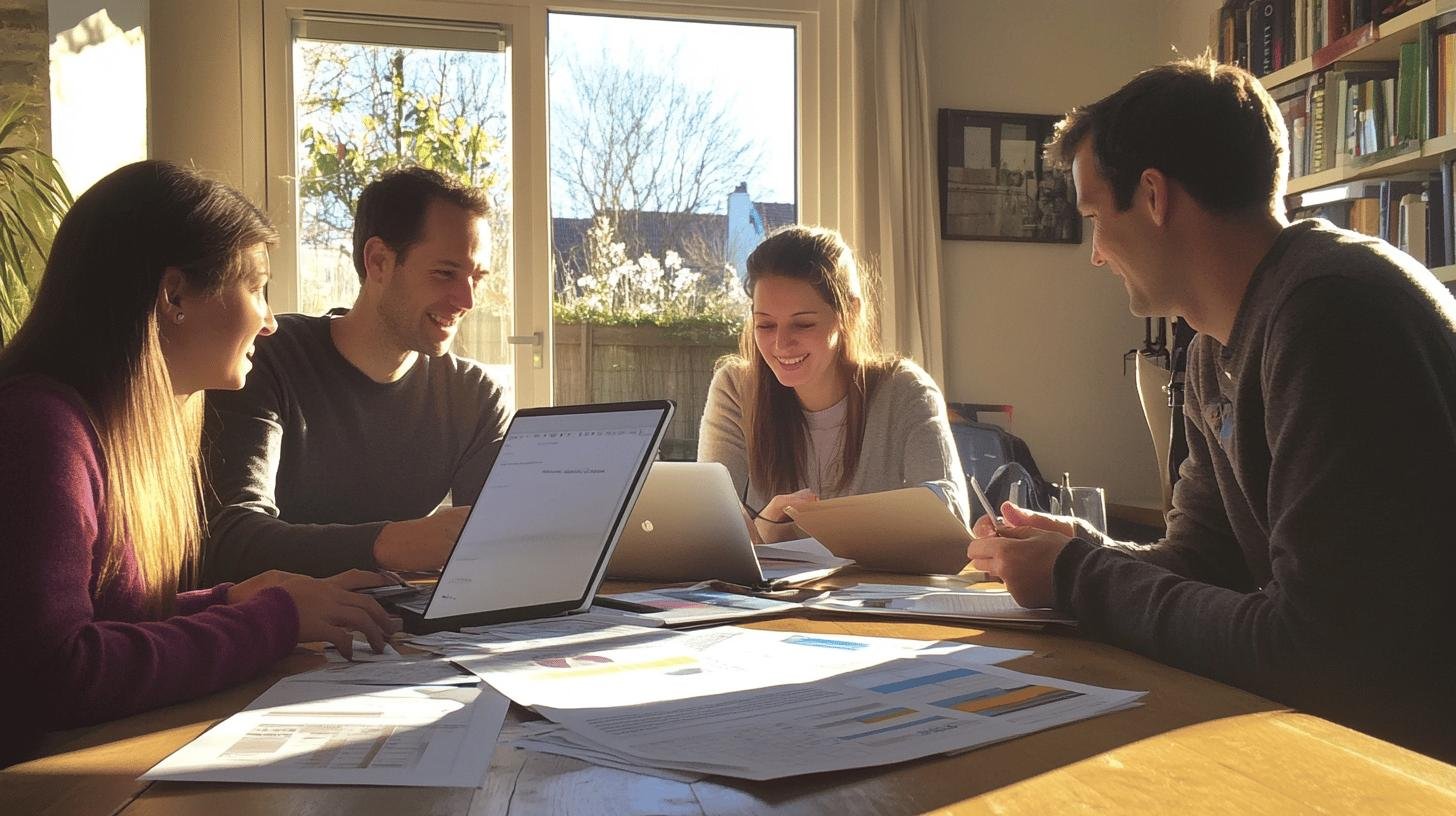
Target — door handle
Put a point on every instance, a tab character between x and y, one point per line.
536	340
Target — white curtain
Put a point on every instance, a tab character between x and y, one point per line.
894	203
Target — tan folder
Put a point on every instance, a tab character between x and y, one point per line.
906	530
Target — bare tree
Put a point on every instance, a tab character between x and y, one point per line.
635	139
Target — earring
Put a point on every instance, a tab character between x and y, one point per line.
181	317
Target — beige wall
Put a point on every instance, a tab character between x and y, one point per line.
198	109
1035	325
1185	27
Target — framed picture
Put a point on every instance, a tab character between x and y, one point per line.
994	185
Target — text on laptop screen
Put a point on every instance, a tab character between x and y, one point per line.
540	526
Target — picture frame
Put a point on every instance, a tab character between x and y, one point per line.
995	184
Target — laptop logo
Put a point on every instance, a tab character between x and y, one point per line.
647	526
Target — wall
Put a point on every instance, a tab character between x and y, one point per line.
23	75
1186	26
1036	325
199	113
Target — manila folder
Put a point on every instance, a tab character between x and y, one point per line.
906	530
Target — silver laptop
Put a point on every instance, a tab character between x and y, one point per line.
541	532
689	525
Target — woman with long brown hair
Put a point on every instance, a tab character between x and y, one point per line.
810	408
152	293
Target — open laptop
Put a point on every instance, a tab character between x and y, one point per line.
537	540
688	525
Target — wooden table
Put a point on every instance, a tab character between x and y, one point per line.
1194	746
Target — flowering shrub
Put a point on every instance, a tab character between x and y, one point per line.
619	291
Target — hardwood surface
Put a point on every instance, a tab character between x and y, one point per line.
1194	746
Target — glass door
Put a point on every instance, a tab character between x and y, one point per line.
673	153
363	94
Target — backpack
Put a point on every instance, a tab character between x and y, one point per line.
1000	460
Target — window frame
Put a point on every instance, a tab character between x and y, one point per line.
269	160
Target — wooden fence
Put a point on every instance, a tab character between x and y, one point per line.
620	363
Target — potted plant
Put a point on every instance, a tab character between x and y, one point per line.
33	197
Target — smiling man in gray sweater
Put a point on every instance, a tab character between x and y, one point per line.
1308	555
353	426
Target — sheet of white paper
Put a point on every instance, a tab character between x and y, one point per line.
363	653
549	738
505	637
969	602
807	550
886	713
407	672
675	665
311	733
594	620
701	604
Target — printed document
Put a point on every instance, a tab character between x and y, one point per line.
661	665
316	733
890	712
963	603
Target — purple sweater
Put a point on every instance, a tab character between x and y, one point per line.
77	657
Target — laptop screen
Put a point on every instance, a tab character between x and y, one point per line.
539	532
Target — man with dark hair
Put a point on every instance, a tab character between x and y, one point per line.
355	425
1308	554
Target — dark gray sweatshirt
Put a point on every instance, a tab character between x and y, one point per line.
1310	554
309	460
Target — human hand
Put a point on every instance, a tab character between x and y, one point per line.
328	609
780	508
419	544
773	522
1014	516
1023	558
350	579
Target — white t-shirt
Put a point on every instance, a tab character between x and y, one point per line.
826	445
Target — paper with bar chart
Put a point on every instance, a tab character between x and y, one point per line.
899	710
308	732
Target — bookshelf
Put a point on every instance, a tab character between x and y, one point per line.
1392	34
1428	157
1365	97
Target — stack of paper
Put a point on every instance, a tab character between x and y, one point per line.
317	730
798	562
761	705
701	603
987	606
896	711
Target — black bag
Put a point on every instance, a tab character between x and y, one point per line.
1000	460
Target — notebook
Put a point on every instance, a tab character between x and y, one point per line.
905	530
538	538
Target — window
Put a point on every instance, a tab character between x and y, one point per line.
673	152
503	75
370	95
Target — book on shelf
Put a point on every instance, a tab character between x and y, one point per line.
1319	151
1361	116
1264	46
1405	211
1412	228
1438	229
1351	40
1264	36
1391	194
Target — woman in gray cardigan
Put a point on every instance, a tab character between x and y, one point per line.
810	408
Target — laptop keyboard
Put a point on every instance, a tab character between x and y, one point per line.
418	603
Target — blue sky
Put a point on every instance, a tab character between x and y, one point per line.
749	69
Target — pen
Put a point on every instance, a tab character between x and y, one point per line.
985	502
